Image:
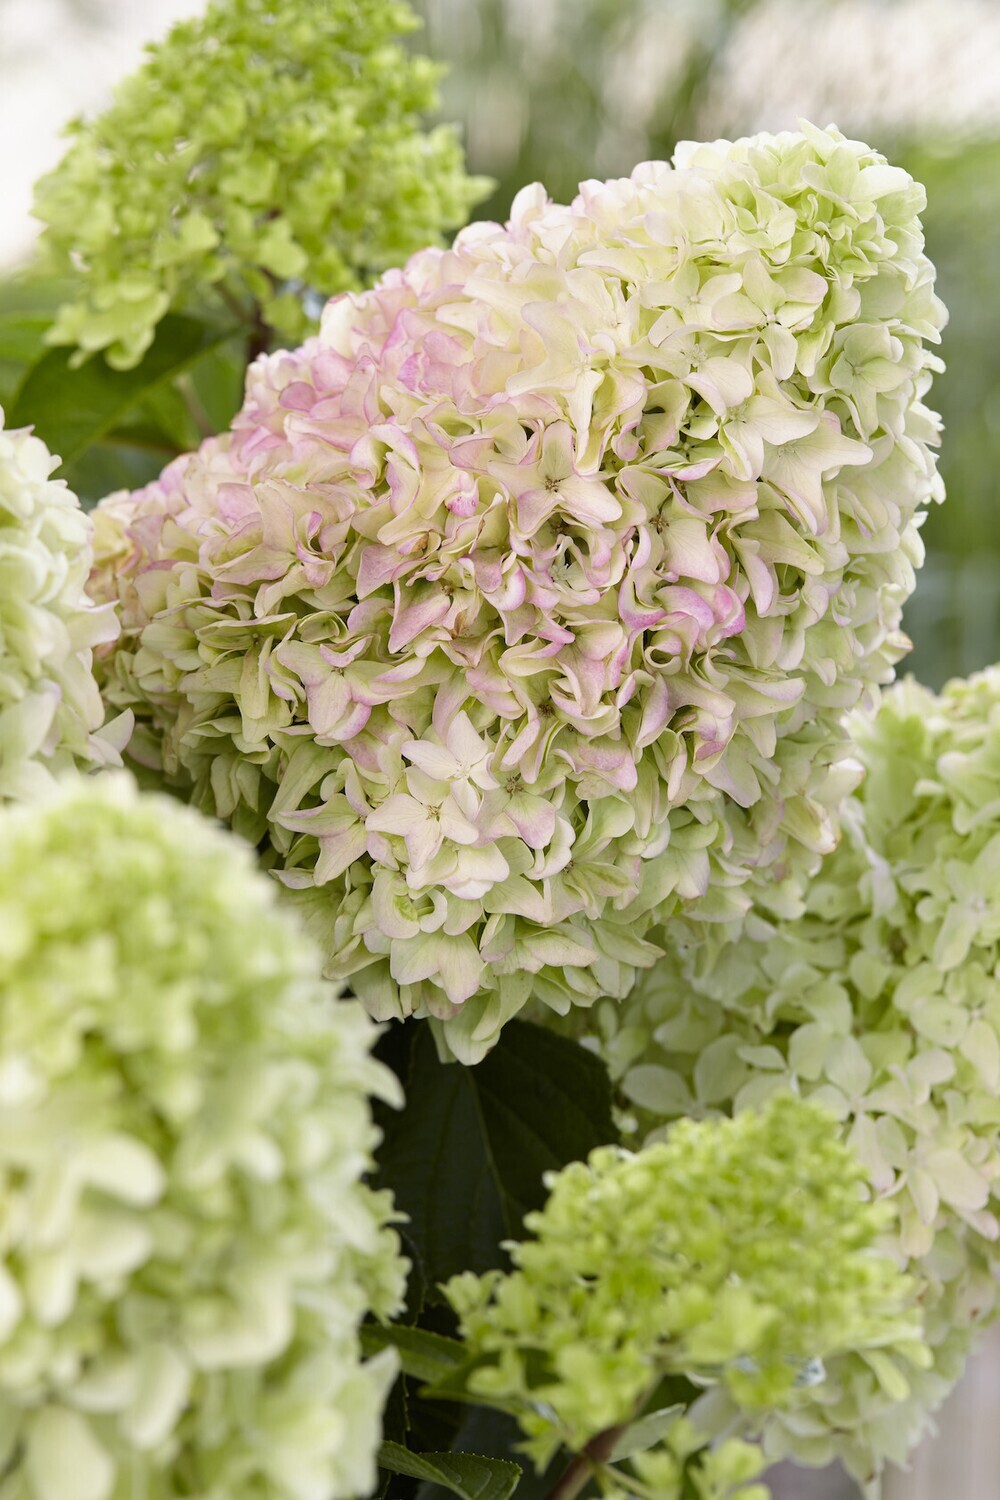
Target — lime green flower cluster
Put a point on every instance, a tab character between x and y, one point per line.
51	713
734	1252
186	1248
882	1002
260	150
684	1467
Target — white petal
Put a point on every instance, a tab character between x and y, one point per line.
65	1461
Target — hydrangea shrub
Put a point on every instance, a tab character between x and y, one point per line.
523	606
51	713
735	1252
256	153
186	1248
881	1002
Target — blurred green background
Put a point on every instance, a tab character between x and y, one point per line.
560	90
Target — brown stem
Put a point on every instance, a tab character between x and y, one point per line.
586	1463
259	335
260	338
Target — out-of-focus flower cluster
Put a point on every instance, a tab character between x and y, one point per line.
258	151
737	1252
186	1249
882	1002
525	603
51	713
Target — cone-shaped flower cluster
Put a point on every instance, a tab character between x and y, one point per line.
186	1249
524	604
259	149
50	708
882	1002
736	1252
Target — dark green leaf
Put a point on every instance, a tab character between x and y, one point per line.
121	461
428	1356
73	409
545	1101
217	382
455	1386
495	1434
395	1413
27	308
465	1474
466	1156
434	1156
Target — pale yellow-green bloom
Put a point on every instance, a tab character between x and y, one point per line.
51	714
734	1253
881	1001
186	1246
260	153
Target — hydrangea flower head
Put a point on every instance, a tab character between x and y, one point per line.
881	1002
257	151
187	1249
736	1252
523	605
51	714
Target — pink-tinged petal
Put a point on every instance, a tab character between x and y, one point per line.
601	764
637	617
453	961
413	619
464	501
534	818
488	568
685	604
423	841
379	566
533	508
656	713
329	700
730	612
299	396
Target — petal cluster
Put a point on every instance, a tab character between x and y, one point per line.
882	1002
524	604
736	1253
186	1247
51	714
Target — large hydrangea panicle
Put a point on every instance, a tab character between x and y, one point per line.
882	1002
51	714
522	607
187	1248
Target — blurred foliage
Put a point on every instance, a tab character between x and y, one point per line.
555	91
954	617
